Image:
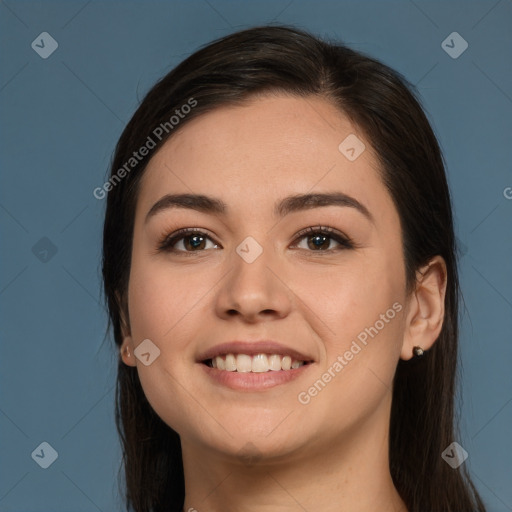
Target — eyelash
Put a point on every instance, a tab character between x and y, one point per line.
167	241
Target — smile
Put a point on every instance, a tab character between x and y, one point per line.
257	363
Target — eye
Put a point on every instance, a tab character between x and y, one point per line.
192	240
319	238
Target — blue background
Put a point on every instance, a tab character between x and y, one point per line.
61	118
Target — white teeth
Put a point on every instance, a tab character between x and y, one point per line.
243	363
259	363
230	365
274	361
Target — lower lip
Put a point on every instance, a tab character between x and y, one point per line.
254	381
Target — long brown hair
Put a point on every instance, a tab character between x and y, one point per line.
385	106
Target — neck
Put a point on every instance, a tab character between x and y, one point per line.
350	473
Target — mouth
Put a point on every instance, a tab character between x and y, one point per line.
252	366
253	373
256	363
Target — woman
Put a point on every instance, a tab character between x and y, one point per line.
279	266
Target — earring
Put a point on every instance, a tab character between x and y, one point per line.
418	351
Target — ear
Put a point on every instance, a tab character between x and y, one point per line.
127	347
425	312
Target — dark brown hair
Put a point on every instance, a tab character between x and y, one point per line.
385	106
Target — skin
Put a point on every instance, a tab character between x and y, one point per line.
331	454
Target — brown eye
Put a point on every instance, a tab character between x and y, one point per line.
318	239
194	241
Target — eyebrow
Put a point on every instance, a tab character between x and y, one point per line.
290	204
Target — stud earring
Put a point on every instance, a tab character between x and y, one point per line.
418	351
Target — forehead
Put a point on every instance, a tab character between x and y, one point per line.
270	147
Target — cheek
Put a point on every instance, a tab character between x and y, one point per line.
348	299
158	307
149	305
160	298
363	326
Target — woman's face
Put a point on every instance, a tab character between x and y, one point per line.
251	276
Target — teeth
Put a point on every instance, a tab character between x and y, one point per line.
243	363
230	363
259	363
274	362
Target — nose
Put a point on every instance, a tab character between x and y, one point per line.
254	290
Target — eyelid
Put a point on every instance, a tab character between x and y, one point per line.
323	229
176	236
344	241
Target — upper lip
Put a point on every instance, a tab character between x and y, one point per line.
253	348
